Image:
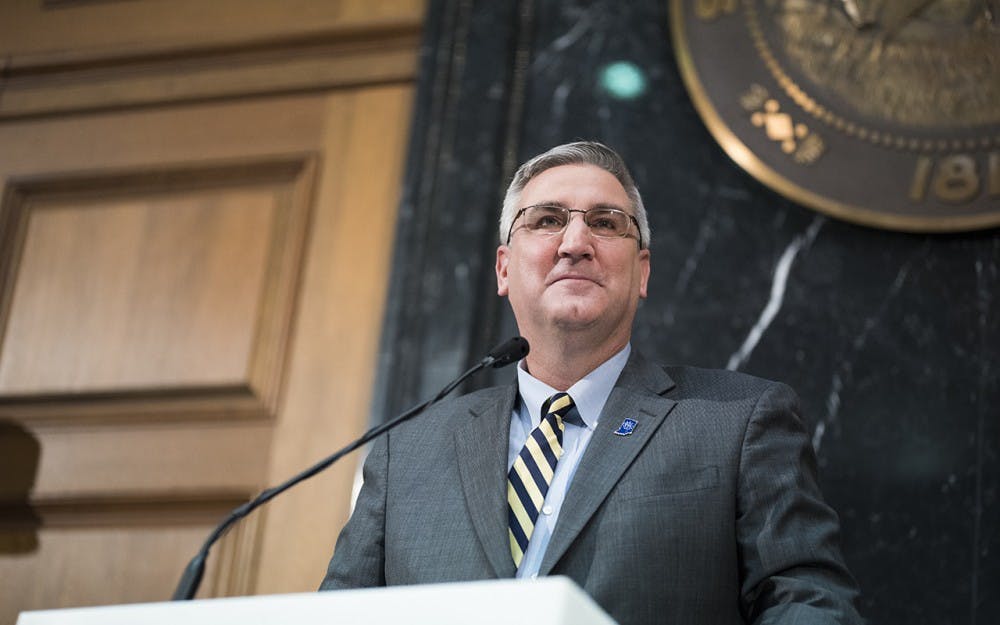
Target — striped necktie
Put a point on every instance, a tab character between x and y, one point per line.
529	478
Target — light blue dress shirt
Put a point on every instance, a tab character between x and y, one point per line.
589	394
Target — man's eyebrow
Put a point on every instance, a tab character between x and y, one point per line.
607	205
599	205
555	203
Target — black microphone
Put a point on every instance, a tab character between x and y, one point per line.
500	356
507	352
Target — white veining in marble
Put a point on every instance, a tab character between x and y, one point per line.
551	53
817	437
559	97
706	232
986	276
779	281
846	367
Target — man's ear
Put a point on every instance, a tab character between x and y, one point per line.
643	272
503	257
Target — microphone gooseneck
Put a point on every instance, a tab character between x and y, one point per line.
500	356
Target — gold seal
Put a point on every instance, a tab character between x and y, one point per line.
880	112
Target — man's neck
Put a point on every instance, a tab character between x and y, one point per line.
562	363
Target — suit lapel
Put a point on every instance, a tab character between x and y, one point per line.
637	395
481	444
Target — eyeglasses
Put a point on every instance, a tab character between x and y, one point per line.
607	223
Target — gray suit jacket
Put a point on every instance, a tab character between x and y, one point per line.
709	512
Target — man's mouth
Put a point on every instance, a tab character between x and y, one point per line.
573	277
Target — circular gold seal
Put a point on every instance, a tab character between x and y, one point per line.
881	112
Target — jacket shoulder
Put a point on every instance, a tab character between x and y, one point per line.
720	384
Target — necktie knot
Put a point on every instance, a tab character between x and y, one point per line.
559	404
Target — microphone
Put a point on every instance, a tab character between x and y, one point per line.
507	352
500	356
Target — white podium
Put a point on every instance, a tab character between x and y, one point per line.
549	600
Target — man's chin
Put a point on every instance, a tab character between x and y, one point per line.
574	319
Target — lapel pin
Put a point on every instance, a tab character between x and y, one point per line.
627	427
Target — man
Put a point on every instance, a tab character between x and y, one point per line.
671	495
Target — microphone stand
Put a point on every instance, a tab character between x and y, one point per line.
502	355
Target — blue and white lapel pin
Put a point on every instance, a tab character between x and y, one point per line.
627	427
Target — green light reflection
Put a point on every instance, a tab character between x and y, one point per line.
623	80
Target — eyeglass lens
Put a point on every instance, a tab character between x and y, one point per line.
603	222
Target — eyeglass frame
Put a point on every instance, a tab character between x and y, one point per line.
638	230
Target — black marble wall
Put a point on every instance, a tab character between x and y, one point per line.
892	340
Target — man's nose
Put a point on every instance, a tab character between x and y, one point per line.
577	239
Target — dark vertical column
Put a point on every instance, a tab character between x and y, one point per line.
441	308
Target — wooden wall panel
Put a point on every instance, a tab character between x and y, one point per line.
122	461
63	57
195	231
166	282
156	454
137	293
124	564
332	364
79	28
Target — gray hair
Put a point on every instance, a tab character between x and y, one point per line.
577	153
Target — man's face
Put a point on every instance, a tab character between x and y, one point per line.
573	280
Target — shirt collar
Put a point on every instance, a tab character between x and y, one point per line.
590	393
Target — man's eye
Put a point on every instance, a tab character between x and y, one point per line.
546	220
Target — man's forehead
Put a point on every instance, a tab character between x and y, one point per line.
575	185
